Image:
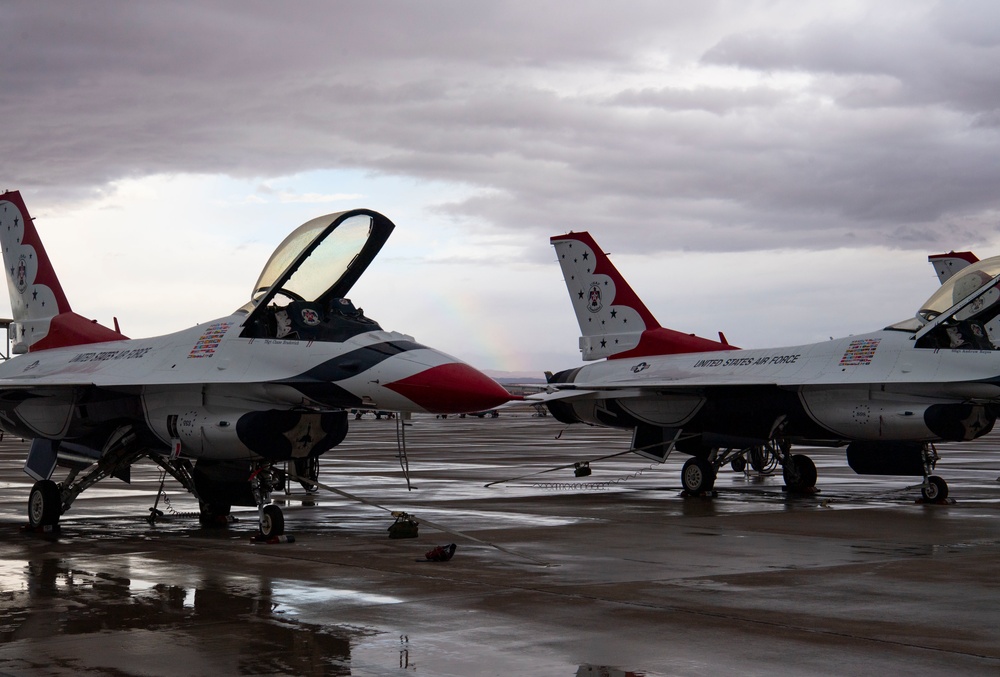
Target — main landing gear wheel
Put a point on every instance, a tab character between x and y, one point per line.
44	504
272	522
936	489
697	475
799	473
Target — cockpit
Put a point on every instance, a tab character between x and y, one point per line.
301	293
964	313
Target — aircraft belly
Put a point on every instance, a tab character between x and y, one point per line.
220	423
273	434
666	411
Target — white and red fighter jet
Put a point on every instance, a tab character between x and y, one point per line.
219	404
888	395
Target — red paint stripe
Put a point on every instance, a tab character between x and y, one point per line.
453	388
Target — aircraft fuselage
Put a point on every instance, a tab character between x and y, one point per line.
217	394
872	387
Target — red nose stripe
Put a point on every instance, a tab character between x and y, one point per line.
451	389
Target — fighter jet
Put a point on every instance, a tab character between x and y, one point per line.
888	395
220	405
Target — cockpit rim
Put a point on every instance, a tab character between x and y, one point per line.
380	230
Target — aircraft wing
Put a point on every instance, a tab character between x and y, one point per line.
603	391
597	393
49	385
47	382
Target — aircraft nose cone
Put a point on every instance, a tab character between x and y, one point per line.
452	388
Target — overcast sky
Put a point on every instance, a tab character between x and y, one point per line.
775	170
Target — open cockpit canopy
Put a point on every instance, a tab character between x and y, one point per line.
312	270
963	313
959	286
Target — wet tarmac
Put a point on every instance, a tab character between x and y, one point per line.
856	579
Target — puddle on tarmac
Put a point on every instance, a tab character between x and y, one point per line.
299	596
242	629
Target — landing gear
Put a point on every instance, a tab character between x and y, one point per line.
272	522
935	489
799	472
765	458
698	475
307	469
762	459
699	472
265	479
218	485
44	505
48	500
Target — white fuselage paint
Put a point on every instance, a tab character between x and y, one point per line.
870	387
207	382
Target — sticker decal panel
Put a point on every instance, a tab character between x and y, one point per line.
859	353
209	341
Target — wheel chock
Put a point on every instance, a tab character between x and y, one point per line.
442	553
273	540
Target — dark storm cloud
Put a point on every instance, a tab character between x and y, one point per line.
568	116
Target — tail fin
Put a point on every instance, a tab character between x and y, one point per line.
614	322
946	265
42	316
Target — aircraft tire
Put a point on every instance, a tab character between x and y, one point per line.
800	473
936	489
272	523
697	475
759	457
44	504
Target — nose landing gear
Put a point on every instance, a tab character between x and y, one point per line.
272	522
934	488
265	479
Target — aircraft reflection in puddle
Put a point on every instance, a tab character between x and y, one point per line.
605	671
210	627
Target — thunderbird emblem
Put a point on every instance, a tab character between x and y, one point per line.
22	275
310	317
594	304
